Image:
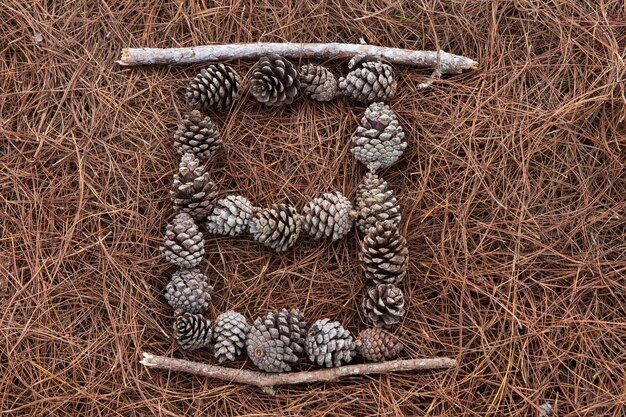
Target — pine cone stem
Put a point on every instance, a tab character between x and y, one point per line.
264	380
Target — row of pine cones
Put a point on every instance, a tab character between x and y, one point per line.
274	81
275	341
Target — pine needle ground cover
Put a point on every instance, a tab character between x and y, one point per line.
512	191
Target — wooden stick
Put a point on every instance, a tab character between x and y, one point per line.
267	381
448	63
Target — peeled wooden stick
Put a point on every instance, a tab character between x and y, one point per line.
448	63
267	381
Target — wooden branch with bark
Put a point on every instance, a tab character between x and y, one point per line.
267	381
443	62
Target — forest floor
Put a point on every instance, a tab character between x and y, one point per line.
512	188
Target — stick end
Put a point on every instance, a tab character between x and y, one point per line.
148	359
123	58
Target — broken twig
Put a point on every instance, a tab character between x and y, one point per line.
267	381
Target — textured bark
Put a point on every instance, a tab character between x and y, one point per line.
447	63
268	381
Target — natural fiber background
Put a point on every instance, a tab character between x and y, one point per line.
512	191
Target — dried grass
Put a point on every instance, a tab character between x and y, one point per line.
513	194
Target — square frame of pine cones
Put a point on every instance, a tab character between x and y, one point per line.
275	341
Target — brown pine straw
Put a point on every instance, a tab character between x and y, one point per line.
512	190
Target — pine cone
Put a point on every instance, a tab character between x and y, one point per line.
274	81
215	88
277	227
371	81
378	345
192	331
375	203
188	291
183	245
379	142
318	82
383	305
230	216
384	255
275	340
328	216
230	335
329	344
193	192
198	135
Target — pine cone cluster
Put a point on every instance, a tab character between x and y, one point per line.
230	333
274	81
375	203
379	141
275	340
384	255
192	331
197	134
328	216
383	305
378	345
318	82
230	216
183	245
215	88
277	227
371	81
328	344
189	291
192	191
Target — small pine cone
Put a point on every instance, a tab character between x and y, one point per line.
230	216
318	82
183	245
274	81
193	192
379	141
384	255
383	305
275	340
378	345
371	81
277	227
375	203
328	216
189	291
198	135
192	331
215	88
230	335
329	344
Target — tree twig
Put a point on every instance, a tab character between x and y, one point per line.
266	380
449	63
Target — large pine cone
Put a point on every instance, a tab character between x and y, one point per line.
230	216
378	345
318	82
375	203
188	291
328	216
192	331
230	333
274	81
277	227
383	305
183	245
198	135
193	192
215	88
384	255
275	340
371	81
379	141
329	344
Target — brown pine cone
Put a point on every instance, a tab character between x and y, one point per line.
318	82
377	345
274	81
383	305
384	255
